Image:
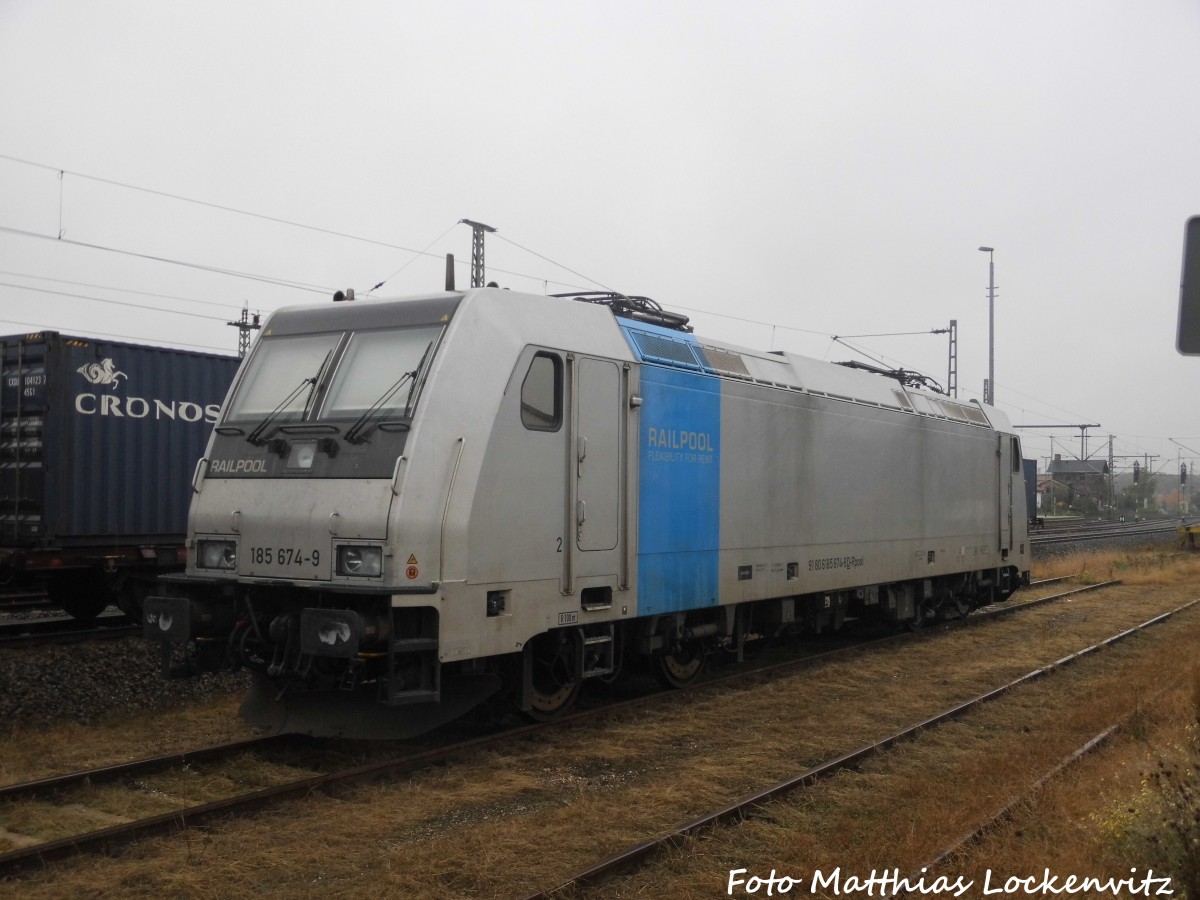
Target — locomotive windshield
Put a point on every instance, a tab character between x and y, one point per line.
374	364
333	376
280	379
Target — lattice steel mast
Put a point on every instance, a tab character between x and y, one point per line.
478	229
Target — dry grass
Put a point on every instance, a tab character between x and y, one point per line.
511	820
1102	817
1160	826
1155	566
27	753
106	804
903	808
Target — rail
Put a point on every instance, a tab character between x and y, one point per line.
637	854
108	839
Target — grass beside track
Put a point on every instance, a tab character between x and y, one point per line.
505	822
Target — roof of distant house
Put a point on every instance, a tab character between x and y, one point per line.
1079	467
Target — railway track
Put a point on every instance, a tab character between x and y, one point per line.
1006	811
1103	533
63	790
65	629
44	788
637	855
14	601
111	838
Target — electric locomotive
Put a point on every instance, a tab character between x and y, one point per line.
411	508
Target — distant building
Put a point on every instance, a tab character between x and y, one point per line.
1045	499
1082	478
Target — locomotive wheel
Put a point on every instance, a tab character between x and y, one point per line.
680	667
921	615
956	603
555	683
957	607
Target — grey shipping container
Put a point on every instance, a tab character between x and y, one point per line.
98	443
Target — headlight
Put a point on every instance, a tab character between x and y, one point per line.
365	562
216	554
302	455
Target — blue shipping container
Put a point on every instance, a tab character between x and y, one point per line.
99	439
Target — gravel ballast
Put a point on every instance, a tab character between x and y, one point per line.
84	682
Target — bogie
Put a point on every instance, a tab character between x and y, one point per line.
553	674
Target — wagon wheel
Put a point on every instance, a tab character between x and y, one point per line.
681	665
554	682
80	593
130	595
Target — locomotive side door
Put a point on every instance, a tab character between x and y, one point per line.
1004	499
597	462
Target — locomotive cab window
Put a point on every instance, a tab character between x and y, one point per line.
541	394
376	373
380	371
281	378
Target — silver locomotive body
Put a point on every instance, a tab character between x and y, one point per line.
411	506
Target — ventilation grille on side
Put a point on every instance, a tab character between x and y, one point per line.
975	414
953	410
658	348
725	362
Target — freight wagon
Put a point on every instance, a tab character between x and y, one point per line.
98	444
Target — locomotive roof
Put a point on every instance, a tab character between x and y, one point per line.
652	344
789	371
426	309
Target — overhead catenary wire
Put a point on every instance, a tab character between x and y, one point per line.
558	264
893	334
204	203
416	254
880	360
1184	446
324	290
64	173
707	312
279	282
176	312
41	326
123	290
60	236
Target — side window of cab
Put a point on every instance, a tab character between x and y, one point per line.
541	394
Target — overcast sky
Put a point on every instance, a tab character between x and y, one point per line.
781	171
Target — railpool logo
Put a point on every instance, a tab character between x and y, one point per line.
105	373
102	373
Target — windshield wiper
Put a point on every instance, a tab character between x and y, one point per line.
355	434
418	379
256	436
357	431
